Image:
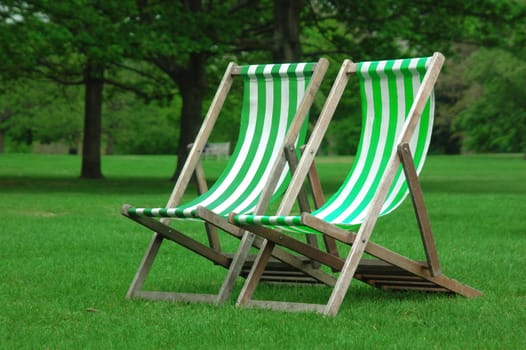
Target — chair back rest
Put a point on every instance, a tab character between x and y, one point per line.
272	95
388	89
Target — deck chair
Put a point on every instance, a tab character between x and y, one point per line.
275	104
397	118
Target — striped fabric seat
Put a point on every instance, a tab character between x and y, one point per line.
397	117
272	94
388	89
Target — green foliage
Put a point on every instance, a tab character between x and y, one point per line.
44	112
344	132
41	111
59	38
132	127
151	48
496	122
394	28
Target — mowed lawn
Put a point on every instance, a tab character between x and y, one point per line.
67	257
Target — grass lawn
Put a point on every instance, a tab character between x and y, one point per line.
67	258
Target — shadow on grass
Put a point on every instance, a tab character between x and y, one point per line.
160	185
473	186
116	185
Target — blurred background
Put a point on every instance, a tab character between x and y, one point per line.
92	77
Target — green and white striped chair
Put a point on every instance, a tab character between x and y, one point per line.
275	104
397	108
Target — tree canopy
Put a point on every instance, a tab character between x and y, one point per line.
153	65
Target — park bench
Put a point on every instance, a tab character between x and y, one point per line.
216	150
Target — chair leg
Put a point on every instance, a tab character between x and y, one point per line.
145	266
419	206
256	272
202	187
346	275
235	267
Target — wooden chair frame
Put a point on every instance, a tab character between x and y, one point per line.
391	270
237	262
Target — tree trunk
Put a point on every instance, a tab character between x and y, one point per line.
287	47
3	117
192	86
91	143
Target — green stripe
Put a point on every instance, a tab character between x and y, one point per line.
250	166
390	137
421	147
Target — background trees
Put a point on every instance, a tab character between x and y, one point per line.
84	43
148	67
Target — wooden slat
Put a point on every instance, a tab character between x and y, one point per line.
303	201
297	263
276	271
202	187
319	200
218	221
297	246
257	270
180	238
420	209
182	297
416	289
315	139
366	229
392	277
202	137
327	229
275	173
145	265
285	306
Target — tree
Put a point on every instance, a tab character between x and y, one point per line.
397	28
35	110
169	47
496	122
182	39
287	16
72	43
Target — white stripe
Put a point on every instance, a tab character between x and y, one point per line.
282	128
401	121
285	99
188	211
359	166
260	153
300	70
413	146
282	131
300	93
283	70
243	152
357	201
289	220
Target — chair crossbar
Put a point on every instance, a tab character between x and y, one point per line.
397	118
275	104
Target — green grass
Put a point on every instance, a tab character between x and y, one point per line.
67	258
